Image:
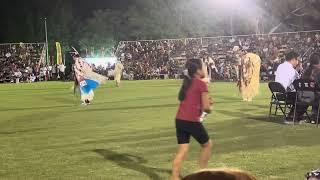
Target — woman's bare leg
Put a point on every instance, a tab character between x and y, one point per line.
178	160
205	155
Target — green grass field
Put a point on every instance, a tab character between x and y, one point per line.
128	133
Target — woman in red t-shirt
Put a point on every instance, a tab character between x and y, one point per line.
194	100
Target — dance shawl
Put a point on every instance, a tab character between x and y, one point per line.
88	80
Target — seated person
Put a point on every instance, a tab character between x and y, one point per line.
285	75
313	73
286	72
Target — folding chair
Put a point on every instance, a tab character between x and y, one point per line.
279	98
306	96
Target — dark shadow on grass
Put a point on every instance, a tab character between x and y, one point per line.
131	162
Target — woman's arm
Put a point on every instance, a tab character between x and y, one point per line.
206	102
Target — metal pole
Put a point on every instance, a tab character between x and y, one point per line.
46	32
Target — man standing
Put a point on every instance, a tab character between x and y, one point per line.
118	72
208	65
205	70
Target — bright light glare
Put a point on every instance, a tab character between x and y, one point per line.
228	3
101	61
247	9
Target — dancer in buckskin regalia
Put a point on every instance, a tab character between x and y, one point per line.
249	76
85	79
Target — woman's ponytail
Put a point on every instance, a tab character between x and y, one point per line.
192	66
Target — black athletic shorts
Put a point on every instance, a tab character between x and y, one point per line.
186	129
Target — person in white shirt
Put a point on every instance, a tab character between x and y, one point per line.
62	69
18	75
286	72
285	75
8	54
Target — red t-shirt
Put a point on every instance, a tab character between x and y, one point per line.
190	108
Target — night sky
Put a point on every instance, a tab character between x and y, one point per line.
11	9
13	13
21	19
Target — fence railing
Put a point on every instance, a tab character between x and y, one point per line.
6	44
217	37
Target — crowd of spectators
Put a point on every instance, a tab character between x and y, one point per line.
93	52
148	59
26	63
151	59
160	59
